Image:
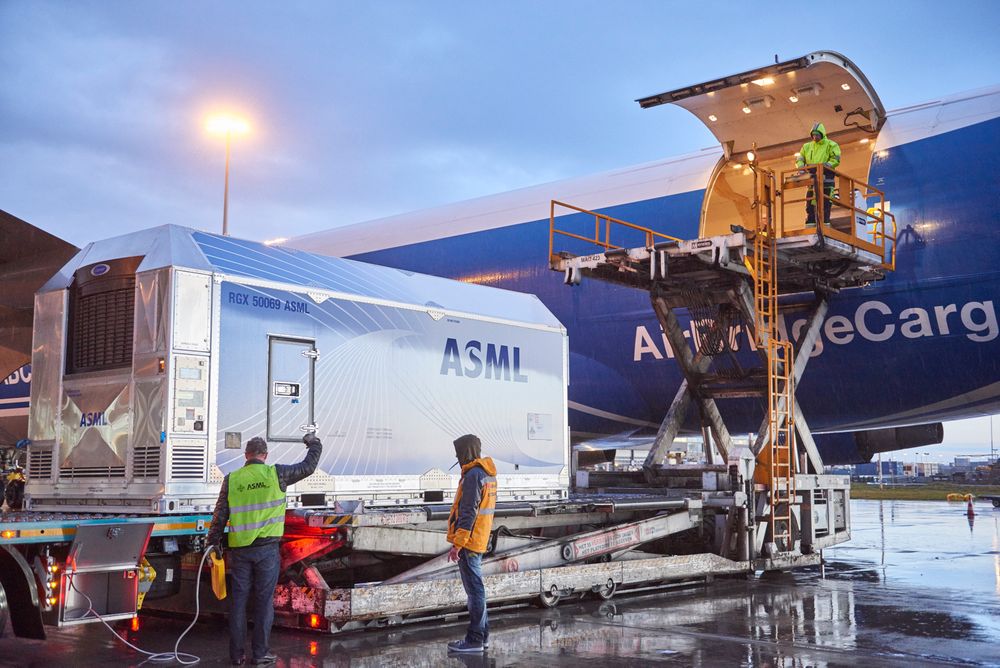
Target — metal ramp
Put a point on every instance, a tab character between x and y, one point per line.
728	286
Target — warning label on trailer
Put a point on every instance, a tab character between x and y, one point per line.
607	542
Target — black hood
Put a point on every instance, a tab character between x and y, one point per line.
468	448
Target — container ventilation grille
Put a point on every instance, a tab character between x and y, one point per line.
146	462
188	462
39	463
101	329
92	472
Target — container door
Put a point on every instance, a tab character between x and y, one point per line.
291	373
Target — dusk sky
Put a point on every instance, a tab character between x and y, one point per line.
360	110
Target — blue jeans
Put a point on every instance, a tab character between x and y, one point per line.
254	576
470	566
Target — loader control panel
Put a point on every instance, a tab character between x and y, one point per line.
190	396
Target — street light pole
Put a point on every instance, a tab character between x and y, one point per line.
225	196
227	126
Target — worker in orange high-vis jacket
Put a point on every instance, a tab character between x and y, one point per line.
469	526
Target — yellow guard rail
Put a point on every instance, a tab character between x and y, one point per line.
602	230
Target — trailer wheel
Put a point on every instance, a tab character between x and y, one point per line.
550	598
4	615
996	503
14	494
605	592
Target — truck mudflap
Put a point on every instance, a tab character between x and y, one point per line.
20	594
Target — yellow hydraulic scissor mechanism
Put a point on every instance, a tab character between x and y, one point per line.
770	111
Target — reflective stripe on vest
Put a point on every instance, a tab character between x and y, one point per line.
256	505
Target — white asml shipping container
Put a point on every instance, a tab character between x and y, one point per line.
158	354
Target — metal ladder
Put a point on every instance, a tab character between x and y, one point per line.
780	405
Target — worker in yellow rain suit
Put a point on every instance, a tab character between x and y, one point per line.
820	150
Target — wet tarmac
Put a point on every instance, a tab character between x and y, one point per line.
917	585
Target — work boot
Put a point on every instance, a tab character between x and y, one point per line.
465	647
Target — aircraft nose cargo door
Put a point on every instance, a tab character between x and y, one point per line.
291	375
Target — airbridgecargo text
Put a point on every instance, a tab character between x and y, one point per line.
873	321
22	375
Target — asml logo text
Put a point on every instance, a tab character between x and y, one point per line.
500	362
98	419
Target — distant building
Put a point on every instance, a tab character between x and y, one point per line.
968	464
928	469
962	464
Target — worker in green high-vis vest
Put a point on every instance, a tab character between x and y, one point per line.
252	502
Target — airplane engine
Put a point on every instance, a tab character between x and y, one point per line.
858	447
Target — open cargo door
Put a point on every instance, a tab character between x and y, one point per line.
772	109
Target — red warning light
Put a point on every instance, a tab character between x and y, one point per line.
313	647
135	623
314	621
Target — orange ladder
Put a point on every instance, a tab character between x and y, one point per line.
780	405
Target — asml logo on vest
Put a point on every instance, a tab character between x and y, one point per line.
254	485
469	362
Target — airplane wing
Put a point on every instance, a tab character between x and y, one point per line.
28	258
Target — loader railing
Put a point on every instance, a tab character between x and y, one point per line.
602	231
858	214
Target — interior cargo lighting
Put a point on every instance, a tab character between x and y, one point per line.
864	140
793	98
763	81
846	86
751	156
314	621
810	89
746	110
737	166
713	117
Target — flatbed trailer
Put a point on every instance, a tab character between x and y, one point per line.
376	566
